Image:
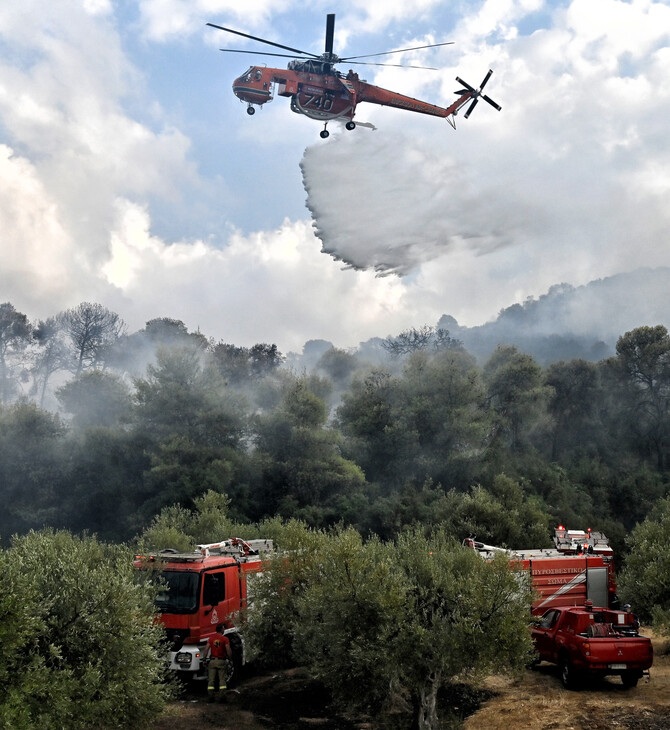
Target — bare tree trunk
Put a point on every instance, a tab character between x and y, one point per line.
427	710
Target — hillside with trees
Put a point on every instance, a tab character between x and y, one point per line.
164	437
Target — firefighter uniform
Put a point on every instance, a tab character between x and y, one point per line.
218	648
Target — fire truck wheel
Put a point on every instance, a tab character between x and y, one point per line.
630	679
237	665
568	674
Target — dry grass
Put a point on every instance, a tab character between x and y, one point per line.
536	702
539	702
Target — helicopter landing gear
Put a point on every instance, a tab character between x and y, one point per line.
324	133
350	125
250	110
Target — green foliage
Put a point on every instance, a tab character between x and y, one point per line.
300	458
373	619
503	516
466	617
184	396
516	393
274	621
182	529
96	398
643	360
15	331
33	467
82	648
645	579
350	618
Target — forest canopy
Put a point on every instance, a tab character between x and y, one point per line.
100	430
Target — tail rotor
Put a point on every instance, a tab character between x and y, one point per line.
476	94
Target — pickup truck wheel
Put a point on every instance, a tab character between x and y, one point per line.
630	679
568	674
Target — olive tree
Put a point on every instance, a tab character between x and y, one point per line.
381	620
84	651
645	578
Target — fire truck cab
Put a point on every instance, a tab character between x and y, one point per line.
200	590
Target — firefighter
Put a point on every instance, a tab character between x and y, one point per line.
219	653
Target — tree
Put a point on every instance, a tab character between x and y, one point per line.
304	472
373	618
33	467
465	617
87	616
643	359
515	392
645	578
182	396
104	489
232	362
441	403
92	329
272	625
264	359
421	338
52	353
349	624
15	331
96	398
574	405
181	528
374	437
338	365
501	516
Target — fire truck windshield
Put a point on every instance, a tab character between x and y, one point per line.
178	592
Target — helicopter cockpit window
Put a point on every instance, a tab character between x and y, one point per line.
258	75
247	76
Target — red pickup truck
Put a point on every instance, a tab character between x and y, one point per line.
588	641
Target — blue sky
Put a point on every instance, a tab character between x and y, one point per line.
131	175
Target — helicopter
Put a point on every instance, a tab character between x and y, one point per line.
321	92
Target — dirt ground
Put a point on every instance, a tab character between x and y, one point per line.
289	700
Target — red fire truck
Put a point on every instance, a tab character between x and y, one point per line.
201	590
579	568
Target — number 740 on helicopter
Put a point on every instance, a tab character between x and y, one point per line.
317	90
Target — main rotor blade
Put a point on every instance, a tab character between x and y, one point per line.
400	50
262	40
491	102
330	31
260	53
394	65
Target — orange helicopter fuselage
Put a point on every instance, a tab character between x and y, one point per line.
320	93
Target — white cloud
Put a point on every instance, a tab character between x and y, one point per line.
38	255
268	286
568	183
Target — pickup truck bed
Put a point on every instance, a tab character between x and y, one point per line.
589	641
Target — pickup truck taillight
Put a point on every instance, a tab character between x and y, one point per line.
587	648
